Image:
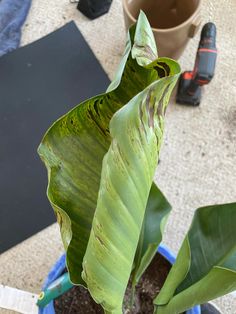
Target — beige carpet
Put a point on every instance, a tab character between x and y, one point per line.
198	159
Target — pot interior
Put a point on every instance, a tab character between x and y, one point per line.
163	14
78	300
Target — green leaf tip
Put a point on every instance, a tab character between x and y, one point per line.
144	49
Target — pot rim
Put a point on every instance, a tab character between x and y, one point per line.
196	13
215	306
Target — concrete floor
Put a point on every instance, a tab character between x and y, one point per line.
199	151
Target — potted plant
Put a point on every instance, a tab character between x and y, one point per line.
101	159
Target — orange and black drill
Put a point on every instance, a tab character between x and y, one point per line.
189	89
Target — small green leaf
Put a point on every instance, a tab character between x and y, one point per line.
144	48
206	264
156	214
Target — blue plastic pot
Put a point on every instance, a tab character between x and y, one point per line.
60	265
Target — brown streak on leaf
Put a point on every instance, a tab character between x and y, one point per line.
59	219
151	113
141	118
160	108
147	50
93	118
150	109
99	240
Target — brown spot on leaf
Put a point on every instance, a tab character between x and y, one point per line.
99	240
59	219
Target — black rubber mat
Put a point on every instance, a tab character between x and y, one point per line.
38	83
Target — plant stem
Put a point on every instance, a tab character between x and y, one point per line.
132	298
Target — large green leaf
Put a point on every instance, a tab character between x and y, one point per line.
127	175
156	214
74	147
206	264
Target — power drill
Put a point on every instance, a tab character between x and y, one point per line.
189	89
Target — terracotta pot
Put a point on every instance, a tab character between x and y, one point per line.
173	22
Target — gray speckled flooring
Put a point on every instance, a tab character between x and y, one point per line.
198	159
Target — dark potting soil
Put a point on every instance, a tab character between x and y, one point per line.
78	300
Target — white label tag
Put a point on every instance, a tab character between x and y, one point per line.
18	300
